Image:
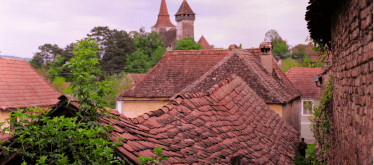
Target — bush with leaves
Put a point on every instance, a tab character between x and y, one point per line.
153	160
320	119
59	84
121	83
187	44
76	140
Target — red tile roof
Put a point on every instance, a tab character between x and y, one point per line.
303	80
22	86
273	89
185	9
135	77
204	43
163	16
314	56
170	36
210	127
176	70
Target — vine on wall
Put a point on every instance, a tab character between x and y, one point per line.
321	122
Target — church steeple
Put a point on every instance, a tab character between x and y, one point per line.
185	18
163	20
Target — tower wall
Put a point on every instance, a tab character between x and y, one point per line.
185	28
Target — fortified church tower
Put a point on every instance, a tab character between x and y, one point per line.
185	18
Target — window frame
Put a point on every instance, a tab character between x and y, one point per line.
302	107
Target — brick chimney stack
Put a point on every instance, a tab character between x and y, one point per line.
267	56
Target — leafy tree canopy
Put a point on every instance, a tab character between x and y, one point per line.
115	46
187	44
280	47
150	50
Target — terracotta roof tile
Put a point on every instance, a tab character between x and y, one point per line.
302	78
204	43
199	129
163	16
274	88
22	86
135	77
176	70
185	8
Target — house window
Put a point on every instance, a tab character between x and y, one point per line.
308	107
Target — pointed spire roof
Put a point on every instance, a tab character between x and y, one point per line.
204	43
185	9
163	16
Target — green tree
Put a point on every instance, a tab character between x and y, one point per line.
150	50
289	63
187	44
148	42
299	53
117	47
74	140
121	83
280	47
59	84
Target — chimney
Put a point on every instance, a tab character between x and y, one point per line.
233	47
267	56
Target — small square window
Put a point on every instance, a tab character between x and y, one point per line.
308	107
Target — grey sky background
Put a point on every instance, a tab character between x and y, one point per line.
25	25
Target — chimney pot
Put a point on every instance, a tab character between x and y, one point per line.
233	47
267	56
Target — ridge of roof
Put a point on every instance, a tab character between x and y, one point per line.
185	8
21	99
204	43
173	66
273	97
163	19
229	114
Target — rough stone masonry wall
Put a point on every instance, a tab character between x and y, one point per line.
352	47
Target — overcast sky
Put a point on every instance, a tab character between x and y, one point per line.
26	24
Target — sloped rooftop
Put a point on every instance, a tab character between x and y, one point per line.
184	8
176	70
163	19
302	78
22	86
204	43
210	127
274	88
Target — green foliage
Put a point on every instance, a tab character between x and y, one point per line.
320	119
187	44
288	64
44	73
59	84
75	140
157	160
148	42
319	48
299	53
280	47
52	58
121	83
118	46
58	140
150	50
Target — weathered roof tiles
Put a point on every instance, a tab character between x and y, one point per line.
210	127
22	86
302	78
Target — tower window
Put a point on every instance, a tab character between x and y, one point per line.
184	14
188	15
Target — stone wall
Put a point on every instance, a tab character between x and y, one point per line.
291	113
185	28
352	115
